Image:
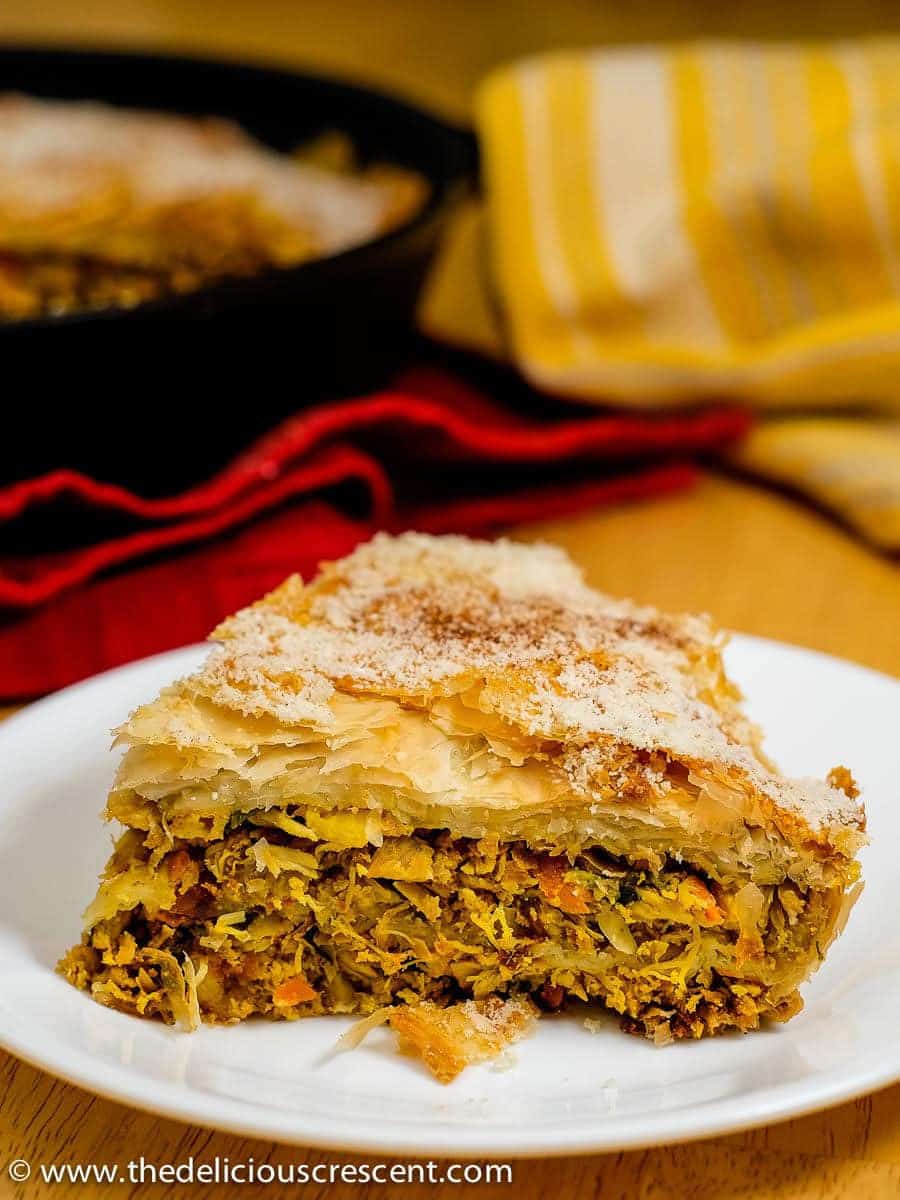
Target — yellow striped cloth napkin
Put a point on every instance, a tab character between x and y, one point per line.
668	225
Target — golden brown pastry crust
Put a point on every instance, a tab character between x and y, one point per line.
594	708
102	205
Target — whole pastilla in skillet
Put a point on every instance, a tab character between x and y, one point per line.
447	785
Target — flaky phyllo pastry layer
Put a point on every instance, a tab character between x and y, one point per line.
448	771
103	206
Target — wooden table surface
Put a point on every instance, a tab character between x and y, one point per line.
757	561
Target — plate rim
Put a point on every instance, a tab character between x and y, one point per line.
493	1146
227	1114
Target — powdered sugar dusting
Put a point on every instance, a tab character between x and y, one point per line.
60	158
517	630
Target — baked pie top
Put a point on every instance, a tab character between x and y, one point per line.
89	178
489	689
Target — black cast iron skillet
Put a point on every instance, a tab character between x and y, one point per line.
153	394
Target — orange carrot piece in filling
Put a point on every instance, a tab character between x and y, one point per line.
294	991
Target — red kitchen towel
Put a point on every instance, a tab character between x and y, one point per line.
431	453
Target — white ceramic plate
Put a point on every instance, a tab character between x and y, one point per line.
569	1090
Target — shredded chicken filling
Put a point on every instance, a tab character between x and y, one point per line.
294	913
